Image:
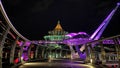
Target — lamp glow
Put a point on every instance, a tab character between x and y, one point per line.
91	60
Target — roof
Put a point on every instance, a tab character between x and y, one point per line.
58	30
58	26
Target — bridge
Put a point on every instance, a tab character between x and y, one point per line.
15	48
72	42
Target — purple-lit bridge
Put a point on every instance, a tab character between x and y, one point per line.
16	49
72	42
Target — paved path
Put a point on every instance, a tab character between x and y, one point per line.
59	63
53	65
56	63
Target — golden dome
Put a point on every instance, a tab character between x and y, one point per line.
58	26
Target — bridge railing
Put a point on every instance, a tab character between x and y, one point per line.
90	50
11	41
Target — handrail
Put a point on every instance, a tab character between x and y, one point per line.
9	22
95	41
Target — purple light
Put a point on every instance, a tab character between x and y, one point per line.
118	3
25	56
82	33
95	33
21	43
25	48
71	34
108	42
27	43
77	41
83	56
74	34
119	41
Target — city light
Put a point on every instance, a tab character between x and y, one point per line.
91	61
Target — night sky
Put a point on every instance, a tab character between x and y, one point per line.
34	18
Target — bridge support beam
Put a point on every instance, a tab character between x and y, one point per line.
117	47
46	54
12	53
43	53
79	52
55	53
29	52
66	53
72	51
21	52
90	55
87	60
61	55
2	41
36	52
103	54
50	53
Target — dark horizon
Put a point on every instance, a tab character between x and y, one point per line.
33	19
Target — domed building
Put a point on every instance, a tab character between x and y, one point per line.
56	34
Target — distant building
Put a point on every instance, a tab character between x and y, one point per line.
56	34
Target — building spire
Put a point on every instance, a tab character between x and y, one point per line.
58	26
58	30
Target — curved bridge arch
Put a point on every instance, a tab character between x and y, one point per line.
18	40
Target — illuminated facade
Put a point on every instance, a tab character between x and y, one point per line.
57	34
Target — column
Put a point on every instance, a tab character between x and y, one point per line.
21	52
109	58
78	50
2	41
43	53
66	54
117	47
92	55
87	60
36	52
50	53
72	51
55	53
103	54
29	51
60	53
12	53
47	53
115	58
